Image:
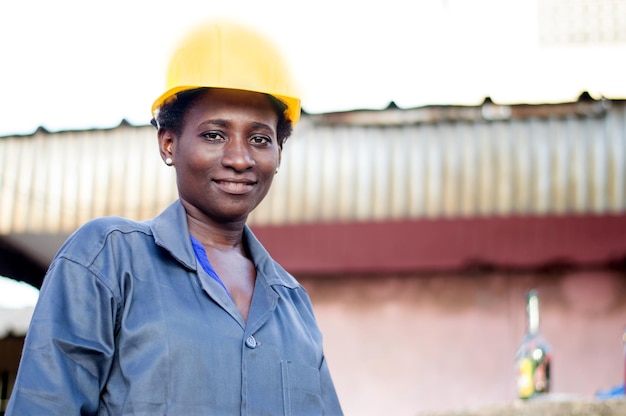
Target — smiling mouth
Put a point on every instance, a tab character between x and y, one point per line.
234	187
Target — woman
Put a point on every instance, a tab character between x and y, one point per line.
186	314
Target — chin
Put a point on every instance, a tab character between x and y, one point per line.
234	214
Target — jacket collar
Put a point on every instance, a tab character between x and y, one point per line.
264	264
171	232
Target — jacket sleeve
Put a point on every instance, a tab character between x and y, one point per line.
330	401
69	346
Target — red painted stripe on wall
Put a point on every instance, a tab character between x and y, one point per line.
446	244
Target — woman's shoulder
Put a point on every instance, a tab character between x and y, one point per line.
95	234
104	226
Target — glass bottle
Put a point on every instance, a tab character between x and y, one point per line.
534	354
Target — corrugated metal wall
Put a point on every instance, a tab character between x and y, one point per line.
348	171
571	164
54	182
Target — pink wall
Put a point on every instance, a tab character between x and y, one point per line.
401	344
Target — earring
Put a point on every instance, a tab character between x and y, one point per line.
276	171
169	161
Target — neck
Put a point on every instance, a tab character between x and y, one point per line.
210	232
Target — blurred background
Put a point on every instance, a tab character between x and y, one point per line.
452	155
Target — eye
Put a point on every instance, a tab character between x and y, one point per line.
213	136
260	140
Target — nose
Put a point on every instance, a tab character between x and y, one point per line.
237	155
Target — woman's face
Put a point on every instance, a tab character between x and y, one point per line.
227	153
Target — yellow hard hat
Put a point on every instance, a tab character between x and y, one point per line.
228	55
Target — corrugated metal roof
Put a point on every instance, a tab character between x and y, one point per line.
53	182
452	162
429	162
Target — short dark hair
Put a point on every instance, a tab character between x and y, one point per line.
171	115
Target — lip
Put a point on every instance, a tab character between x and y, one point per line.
234	186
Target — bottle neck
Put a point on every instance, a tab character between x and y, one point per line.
532	309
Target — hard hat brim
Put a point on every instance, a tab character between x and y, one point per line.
292	112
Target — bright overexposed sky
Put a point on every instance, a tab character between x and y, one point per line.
14	294
77	64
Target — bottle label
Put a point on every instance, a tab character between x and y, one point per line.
525	385
533	375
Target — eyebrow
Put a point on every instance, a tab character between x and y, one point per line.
263	126
217	122
225	123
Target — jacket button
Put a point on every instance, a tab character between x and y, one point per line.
251	342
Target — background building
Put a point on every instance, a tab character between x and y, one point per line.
416	231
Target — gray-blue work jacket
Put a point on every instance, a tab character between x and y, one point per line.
127	323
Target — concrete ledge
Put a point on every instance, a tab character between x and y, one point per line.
613	407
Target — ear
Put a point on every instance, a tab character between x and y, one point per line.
166	144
